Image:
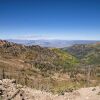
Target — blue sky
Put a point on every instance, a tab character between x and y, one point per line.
50	19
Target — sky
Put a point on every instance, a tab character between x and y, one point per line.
50	19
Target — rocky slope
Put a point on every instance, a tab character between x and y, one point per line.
41	58
51	70
9	90
34	66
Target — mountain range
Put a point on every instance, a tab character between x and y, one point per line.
53	43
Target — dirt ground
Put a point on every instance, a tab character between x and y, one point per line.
9	90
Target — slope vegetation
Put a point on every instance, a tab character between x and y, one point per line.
34	66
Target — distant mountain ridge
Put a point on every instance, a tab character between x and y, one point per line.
53	43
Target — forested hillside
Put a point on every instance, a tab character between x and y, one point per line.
89	53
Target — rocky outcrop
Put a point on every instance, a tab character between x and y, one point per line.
2	42
9	90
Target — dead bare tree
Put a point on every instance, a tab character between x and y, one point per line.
3	74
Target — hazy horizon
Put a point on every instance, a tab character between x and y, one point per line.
52	39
